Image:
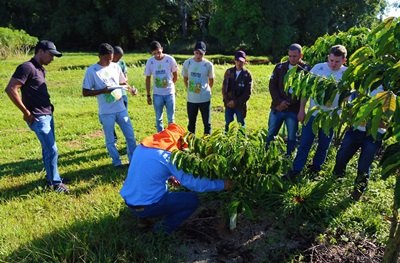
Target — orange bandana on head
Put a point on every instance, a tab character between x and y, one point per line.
169	139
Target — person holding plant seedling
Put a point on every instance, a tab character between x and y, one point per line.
236	90
198	77
335	68
145	188
164	70
105	80
284	106
357	138
35	104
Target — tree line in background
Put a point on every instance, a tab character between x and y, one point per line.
260	27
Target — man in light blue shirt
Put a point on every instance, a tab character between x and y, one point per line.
145	189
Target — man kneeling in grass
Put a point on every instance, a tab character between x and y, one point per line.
145	188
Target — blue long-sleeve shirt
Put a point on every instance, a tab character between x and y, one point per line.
150	168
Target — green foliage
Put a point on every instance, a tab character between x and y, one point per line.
352	39
376	64
15	42
92	224
237	156
271	26
260	27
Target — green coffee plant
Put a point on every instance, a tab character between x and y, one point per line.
352	39
374	65
237	156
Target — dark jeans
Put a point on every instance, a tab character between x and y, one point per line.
275	121
352	141
306	141
229	117
174	207
205	110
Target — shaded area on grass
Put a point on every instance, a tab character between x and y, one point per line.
95	173
105	239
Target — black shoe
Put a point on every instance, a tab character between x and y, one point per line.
290	176
122	166
313	169
61	188
356	194
145	223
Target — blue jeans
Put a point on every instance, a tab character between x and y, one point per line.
306	141
229	116
174	207
159	101
125	99
205	110
43	127
108	122
275	121
352	141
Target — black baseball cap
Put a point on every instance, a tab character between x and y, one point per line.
48	45
200	46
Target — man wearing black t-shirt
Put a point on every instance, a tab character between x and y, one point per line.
36	107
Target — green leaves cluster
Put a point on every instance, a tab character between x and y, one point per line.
352	39
233	155
375	64
15	42
239	157
322	90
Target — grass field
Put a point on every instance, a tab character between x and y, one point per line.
92	224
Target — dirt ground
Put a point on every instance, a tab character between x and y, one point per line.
205	238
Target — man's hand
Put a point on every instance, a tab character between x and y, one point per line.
283	105
231	104
149	101
228	185
132	90
173	181
29	118
301	115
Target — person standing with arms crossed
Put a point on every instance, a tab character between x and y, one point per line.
164	70
36	107
198	77
284	108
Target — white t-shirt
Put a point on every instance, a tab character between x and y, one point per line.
98	77
198	74
322	69
372	94
162	74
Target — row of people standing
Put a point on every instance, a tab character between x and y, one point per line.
287	109
198	77
104	80
108	82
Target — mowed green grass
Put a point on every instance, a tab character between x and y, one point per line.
30	214
92	224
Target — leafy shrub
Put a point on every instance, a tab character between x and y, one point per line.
15	42
352	39
239	157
